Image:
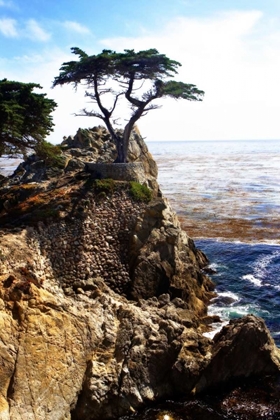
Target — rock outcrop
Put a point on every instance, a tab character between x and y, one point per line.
87	146
242	349
102	296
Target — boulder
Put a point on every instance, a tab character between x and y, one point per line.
242	349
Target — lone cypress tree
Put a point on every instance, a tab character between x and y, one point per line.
141	78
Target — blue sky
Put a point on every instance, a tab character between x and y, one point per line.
230	49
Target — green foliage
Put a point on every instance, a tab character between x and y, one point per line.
147	64
50	153
140	192
104	185
141	77
180	90
25	118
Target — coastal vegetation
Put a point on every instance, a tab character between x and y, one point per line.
103	297
50	153
25	116
106	185
112	79
140	192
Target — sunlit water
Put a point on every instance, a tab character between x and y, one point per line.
227	196
228	190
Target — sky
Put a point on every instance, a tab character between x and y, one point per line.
228	48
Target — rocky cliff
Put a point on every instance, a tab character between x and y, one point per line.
103	297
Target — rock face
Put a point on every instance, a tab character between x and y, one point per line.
88	146
102	297
242	349
165	260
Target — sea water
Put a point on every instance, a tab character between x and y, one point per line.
227	197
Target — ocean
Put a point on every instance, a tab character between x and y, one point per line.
227	197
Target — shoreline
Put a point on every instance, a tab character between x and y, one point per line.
236	241
246	281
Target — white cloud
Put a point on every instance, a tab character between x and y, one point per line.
8	4
76	27
35	32
233	60
234	57
32	30
8	27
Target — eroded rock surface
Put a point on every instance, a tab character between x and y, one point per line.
244	348
102	297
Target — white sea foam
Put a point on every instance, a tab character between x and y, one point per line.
229	294
236	311
214	266
217	328
257	282
241	310
224	298
262	264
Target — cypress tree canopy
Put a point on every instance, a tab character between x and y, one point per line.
25	116
141	78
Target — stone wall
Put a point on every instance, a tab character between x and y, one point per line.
96	244
118	171
138	249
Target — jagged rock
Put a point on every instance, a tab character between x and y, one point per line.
95	146
74	165
88	145
244	348
98	357
163	259
103	299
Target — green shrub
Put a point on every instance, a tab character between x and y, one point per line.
105	185
140	192
51	154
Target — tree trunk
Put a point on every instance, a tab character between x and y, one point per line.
126	136
119	142
129	127
121	153
125	142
